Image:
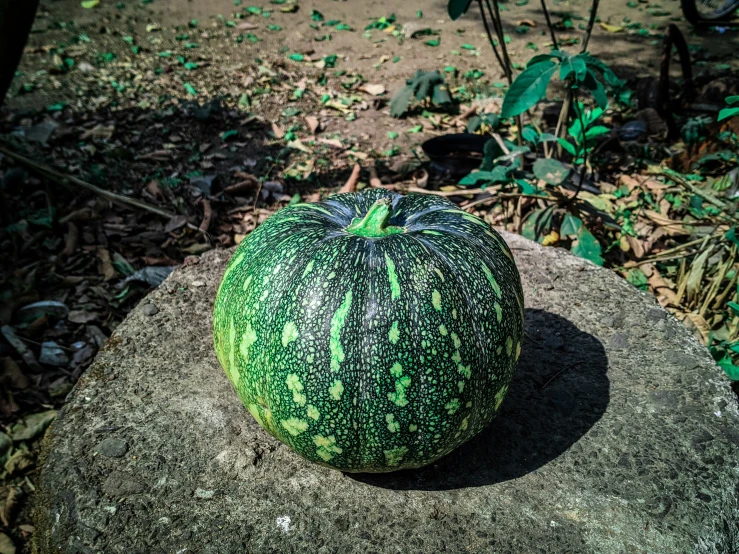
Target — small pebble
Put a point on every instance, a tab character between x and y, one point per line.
112	448
149	310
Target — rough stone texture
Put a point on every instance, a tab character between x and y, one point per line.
619	434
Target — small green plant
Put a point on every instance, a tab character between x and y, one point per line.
427	87
732	110
581	72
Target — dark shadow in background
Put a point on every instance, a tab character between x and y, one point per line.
558	393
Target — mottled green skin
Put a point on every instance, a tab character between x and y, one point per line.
371	354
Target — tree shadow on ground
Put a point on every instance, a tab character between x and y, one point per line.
558	393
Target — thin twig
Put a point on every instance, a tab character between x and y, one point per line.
63	179
591	22
549	24
504	196
351	183
490	37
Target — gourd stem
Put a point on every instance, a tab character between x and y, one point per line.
375	222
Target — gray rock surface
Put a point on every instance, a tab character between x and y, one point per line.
619	435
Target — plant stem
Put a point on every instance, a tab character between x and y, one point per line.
564	115
490	38
591	22
498	26
583	151
549	24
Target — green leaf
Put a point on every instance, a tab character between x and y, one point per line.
637	278
490	152
537	223
596	131
416	129
32	426
392	135
528	88
734	307
499	174
401	100
550	171
526	187
441	96
567	146
529	134
732	371
587	246
457	8
88	4
732	100
573	65
315	15
570	225
731	235
596	88
433	42
190	89
727	113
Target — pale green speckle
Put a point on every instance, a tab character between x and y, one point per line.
308	268
397	369
436	300
394	334
233	265
442	330
394	456
491	278
313	412
294	385
289	333
413	427
232	369
464	424
326	447
457	342
454	313
393	278
398	397
498	312
247	283
518	350
509	346
249	338
336	390
392	425
294	426
465	370
439	273
499	396
337	323
452	406
460	386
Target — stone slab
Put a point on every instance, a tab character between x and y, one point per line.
619	435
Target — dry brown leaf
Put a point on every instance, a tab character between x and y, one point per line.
636	246
11	505
12	376
351	184
526	22
246	26
332	142
278	131
6	545
99	132
671	227
313	123
105	266
698	325
374	90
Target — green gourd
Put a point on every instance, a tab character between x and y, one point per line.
371	331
